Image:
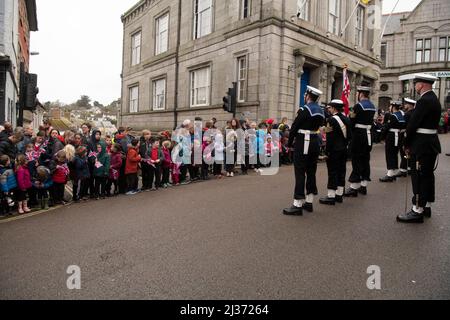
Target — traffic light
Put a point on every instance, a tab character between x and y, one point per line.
230	100
31	91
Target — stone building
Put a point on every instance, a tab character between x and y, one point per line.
180	57
17	19
417	41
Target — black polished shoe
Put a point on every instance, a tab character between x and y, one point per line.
410	217
447	154
339	199
308	207
351	193
402	174
328	201
293	211
387	179
363	191
427	212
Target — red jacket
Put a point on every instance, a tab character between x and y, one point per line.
133	159
61	174
23	178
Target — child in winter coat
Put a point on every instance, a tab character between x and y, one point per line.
167	163
42	182
101	170
114	169
82	174
8	184
218	155
23	183
131	167
156	160
60	177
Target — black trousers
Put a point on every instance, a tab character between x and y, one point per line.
80	188
58	192
132	181
147	179
100	186
403	161
361	168
109	185
204	170
423	180
155	176
42	193
337	168
391	155
123	184
305	174
217	169
165	176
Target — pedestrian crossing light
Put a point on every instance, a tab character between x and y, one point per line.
230	100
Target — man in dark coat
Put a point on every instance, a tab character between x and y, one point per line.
408	109
423	146
339	133
8	146
304	131
362	118
393	133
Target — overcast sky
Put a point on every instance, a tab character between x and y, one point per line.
80	47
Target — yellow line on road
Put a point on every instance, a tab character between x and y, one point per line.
28	215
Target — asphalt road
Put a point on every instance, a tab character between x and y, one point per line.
228	240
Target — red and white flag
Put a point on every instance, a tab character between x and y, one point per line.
346	92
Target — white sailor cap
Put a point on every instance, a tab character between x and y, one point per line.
396	103
423	77
410	101
336	103
363	89
313	91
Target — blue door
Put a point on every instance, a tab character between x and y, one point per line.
304	81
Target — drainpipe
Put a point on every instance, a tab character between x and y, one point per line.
177	68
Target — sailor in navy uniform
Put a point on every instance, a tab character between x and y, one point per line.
362	118
339	133
394	130
408	109
305	131
423	146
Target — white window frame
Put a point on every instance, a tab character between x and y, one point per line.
242	75
162	35
244	14
359	29
136	48
133	99
334	16
201	18
422	52
445	49
197	85
385	61
303	13
159	84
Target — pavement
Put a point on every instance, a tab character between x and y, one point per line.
227	239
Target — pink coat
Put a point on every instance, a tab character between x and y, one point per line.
23	178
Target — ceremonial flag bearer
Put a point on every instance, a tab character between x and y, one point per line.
423	146
339	133
362	118
305	131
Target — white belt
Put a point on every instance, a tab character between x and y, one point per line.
426	131
396	131
307	134
368	128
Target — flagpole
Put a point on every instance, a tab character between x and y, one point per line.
348	21
385	25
